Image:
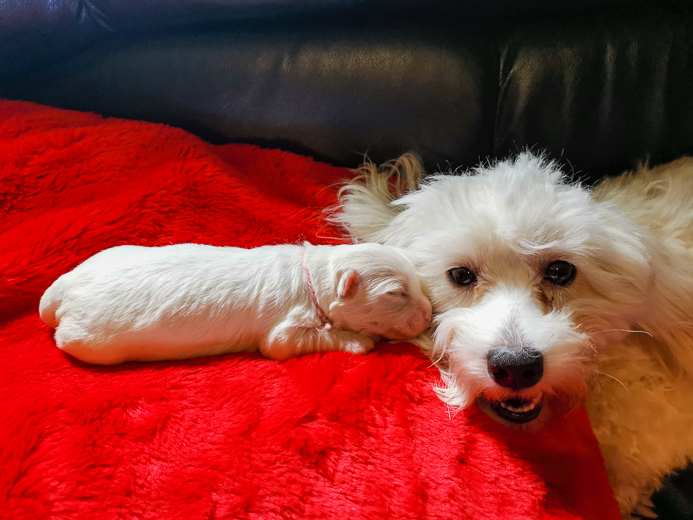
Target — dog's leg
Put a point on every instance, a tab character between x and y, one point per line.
645	505
289	340
642	418
632	487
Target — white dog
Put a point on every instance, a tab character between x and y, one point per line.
541	289
133	303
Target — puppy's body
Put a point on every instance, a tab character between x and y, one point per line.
139	303
541	287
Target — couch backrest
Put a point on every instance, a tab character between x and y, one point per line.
600	85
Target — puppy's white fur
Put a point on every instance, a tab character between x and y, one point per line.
180	301
623	326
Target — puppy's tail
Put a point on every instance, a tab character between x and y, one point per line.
365	202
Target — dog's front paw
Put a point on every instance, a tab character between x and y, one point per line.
644	507
635	502
356	343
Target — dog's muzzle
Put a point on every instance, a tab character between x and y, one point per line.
516	369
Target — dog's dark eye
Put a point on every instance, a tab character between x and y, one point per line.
560	273
461	276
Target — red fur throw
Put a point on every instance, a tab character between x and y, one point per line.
236	436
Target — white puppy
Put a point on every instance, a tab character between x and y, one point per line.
541	288
134	303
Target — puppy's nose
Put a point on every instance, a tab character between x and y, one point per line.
515	368
427	311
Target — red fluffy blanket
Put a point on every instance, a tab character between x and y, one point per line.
236	436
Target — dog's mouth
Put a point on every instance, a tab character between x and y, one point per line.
517	410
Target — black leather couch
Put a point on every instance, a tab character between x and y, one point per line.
600	84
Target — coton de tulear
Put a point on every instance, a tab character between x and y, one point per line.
543	289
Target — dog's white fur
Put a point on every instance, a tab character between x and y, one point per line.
624	326
133	303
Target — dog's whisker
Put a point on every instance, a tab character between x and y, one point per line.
614	378
689	323
440	358
623	330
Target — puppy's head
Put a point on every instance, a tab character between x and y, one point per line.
529	277
379	293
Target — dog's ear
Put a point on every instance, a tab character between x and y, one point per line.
365	202
348	284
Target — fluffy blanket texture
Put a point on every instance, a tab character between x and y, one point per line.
237	436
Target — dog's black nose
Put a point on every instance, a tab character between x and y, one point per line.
516	368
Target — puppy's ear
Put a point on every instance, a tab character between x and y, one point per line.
348	284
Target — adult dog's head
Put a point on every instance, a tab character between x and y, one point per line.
528	275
